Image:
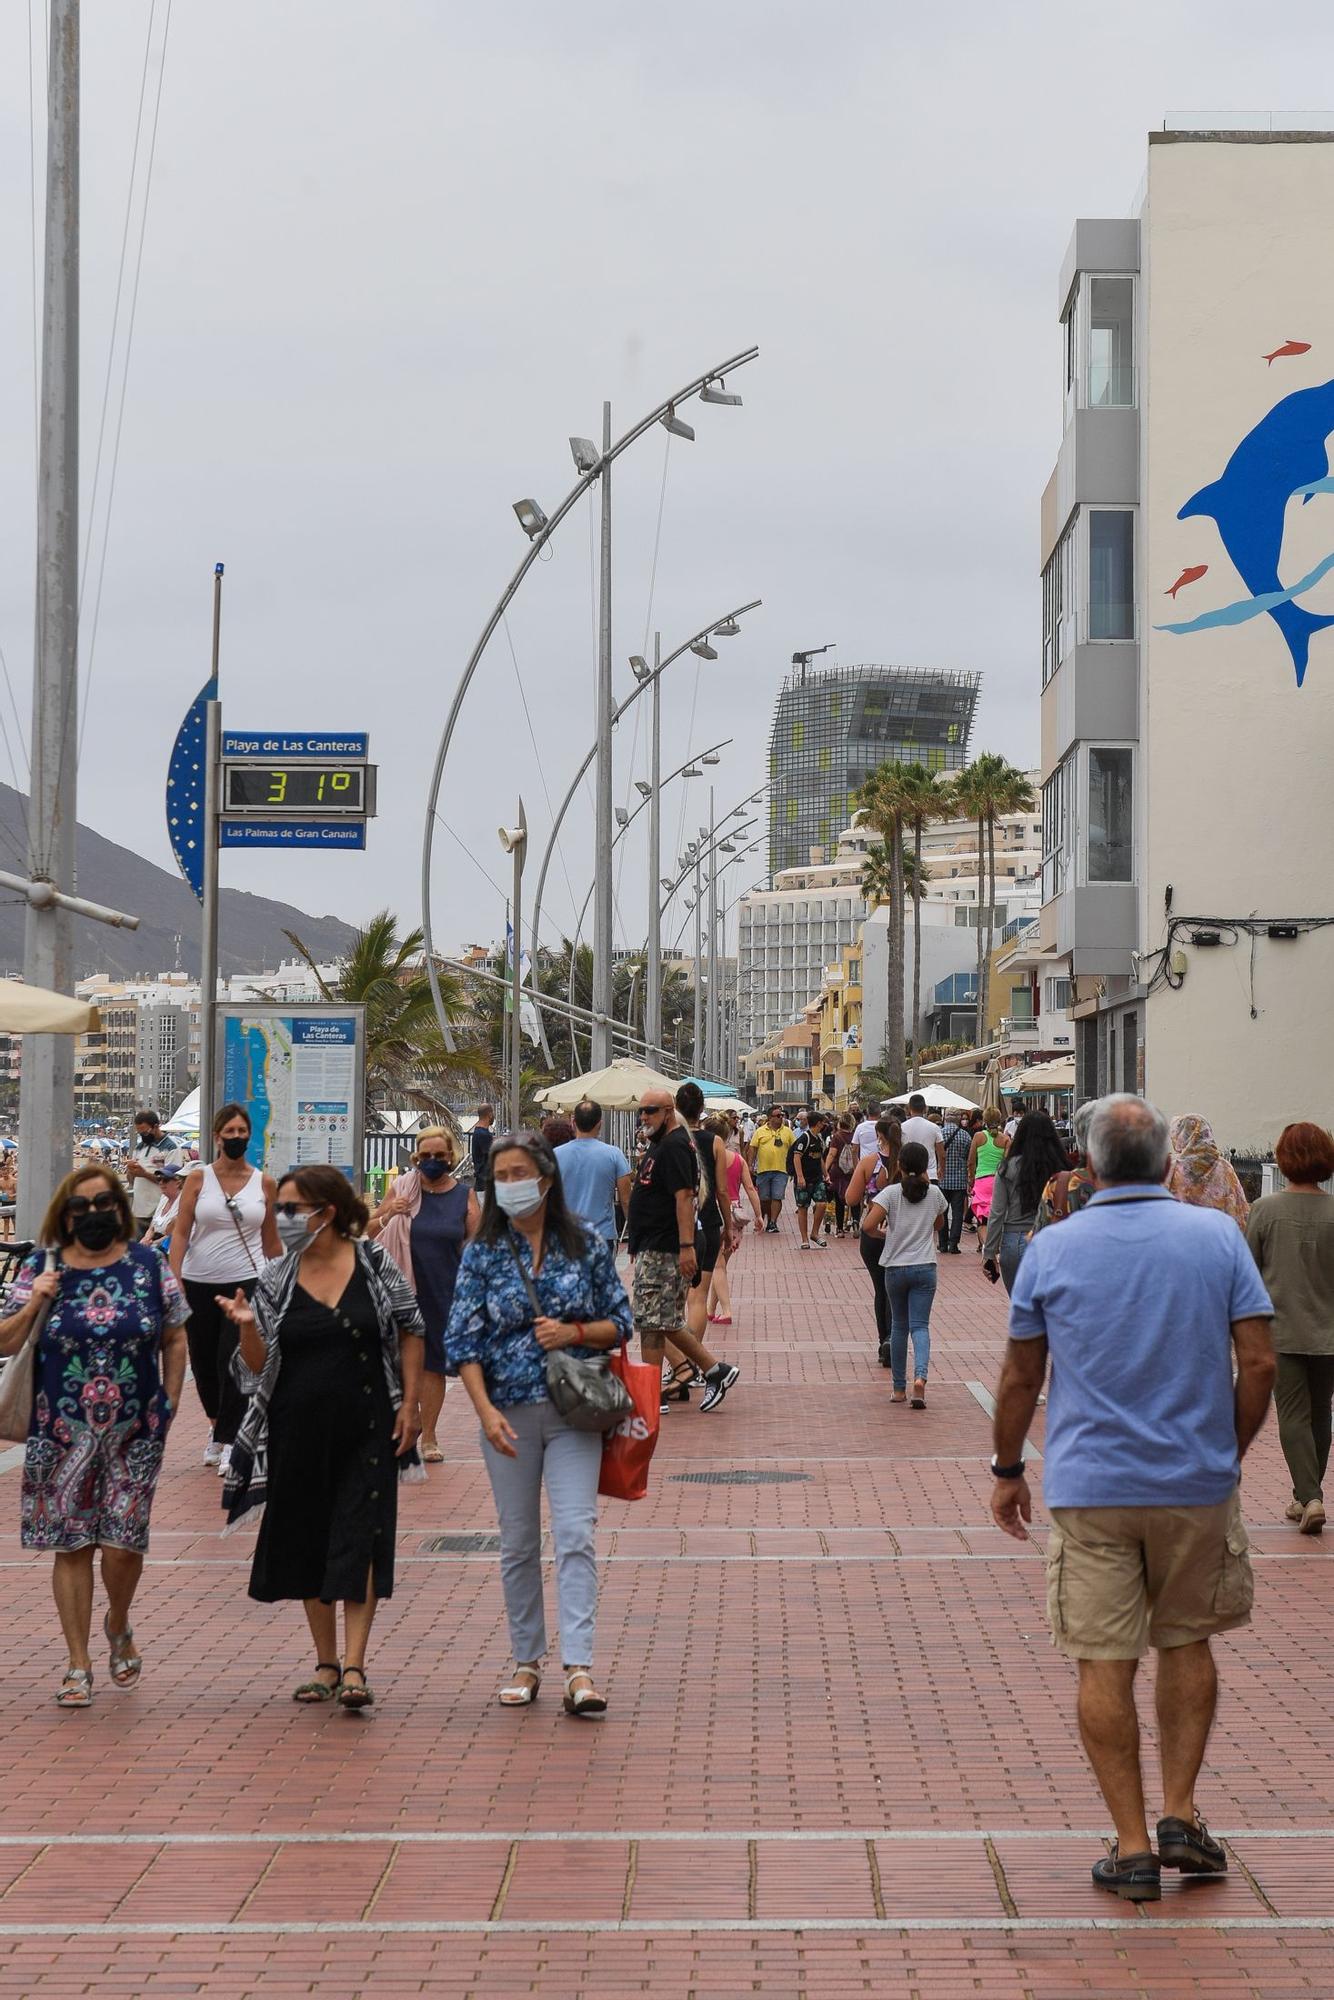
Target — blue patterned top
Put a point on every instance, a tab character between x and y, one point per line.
492	1318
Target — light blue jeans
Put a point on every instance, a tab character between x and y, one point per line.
910	1290
568	1463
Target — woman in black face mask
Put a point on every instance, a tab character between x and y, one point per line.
223	1235
424	1222
107	1375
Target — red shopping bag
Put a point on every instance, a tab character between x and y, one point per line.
627	1450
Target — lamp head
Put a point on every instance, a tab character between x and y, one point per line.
710	757
676	425
622	816
704	649
727	630
719	394
644	789
585	454
531	518
640	668
690	771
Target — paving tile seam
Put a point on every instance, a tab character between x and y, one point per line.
621	1836
669	1927
703	1560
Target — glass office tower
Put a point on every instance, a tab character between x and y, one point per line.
833	726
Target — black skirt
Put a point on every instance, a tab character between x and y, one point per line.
332	1507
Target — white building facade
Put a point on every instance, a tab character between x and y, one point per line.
1188	638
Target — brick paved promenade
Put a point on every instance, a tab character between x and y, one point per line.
840	1757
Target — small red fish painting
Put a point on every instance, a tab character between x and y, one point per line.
1191	575
1288	347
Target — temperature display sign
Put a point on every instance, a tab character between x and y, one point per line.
295	788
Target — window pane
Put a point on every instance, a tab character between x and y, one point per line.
1111	343
1111	574
1111	833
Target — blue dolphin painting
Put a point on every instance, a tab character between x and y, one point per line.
1285	454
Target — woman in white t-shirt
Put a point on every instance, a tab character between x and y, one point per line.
906	1214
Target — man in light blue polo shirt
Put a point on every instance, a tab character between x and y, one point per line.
593	1175
1141	1303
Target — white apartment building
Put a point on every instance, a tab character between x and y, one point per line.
1188	637
786	936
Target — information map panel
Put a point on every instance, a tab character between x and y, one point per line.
299	1073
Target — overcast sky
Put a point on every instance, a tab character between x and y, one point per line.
397	252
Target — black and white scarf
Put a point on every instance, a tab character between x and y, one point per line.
245	1489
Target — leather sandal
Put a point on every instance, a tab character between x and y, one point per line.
583	1700
521	1691
76	1689
352	1697
311	1692
124	1665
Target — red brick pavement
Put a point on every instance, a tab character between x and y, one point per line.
840	1756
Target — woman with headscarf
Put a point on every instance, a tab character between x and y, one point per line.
1199	1174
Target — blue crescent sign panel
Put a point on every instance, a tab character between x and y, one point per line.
185	790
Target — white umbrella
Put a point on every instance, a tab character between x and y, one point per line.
617	1088
940	1099
32	1010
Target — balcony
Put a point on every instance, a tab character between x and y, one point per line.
1021	1031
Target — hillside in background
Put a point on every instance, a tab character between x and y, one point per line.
250	928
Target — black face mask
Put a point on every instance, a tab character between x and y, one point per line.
433	1169
235	1148
96	1232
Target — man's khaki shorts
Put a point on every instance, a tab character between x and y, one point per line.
660	1292
1123	1579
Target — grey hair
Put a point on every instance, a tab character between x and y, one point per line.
1081	1121
1128	1140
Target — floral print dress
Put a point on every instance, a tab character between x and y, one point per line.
100	1414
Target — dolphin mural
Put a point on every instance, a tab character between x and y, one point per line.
1284	455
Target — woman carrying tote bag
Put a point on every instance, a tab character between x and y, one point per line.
530	1246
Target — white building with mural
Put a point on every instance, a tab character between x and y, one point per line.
1188	638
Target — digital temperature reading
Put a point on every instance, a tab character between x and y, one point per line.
295	788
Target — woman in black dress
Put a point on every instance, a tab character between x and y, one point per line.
331	1357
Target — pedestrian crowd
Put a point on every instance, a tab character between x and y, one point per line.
320	1333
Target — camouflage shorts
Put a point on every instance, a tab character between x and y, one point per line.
660	1292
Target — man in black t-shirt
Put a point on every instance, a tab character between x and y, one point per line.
479	1144
808	1174
661	1235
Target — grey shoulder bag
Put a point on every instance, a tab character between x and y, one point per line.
585	1392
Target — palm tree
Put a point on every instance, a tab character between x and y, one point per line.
886	800
925	799
876	885
407	1060
986	790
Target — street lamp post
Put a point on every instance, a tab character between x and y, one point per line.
711	1036
539	527
514	840
600	1049
653	964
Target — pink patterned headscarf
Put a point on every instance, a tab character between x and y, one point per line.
1199	1174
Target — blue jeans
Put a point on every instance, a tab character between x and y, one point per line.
910	1290
1014	1242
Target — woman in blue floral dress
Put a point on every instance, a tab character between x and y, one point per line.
531	1248
107	1376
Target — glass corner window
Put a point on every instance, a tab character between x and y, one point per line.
1111	573
1111	824
1111	356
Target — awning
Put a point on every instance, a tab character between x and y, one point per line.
1057	1075
32	1010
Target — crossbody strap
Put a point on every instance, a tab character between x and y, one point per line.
539	1311
228	1202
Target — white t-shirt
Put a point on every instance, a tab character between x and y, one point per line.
923	1133
864	1137
910	1226
1011	1127
152	1154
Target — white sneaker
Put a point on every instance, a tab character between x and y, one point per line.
212	1452
224	1461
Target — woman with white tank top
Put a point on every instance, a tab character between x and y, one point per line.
223	1236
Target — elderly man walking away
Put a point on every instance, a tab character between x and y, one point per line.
1141	1303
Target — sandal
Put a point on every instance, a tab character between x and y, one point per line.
124	1665
76	1689
522	1690
311	1692
676	1385
898	1396
355	1697
432	1455
585	1700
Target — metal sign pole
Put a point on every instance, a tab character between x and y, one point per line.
208	967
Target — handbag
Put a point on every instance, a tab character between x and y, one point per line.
17	1385
587	1395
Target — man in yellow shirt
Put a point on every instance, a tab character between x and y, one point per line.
769	1151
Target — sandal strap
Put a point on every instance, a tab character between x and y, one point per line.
328	1666
354	1670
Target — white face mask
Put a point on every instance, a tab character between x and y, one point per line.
295	1232
518	1197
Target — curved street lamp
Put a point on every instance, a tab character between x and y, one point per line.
539	528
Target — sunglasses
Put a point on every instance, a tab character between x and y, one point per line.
79	1204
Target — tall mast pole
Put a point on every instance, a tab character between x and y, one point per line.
653	970
713	1018
602	899
208	948
46	1136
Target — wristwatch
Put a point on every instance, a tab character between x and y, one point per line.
1015	1471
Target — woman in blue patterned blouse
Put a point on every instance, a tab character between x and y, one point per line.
498	1348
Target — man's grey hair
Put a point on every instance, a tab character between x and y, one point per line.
1083	1118
1128	1140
